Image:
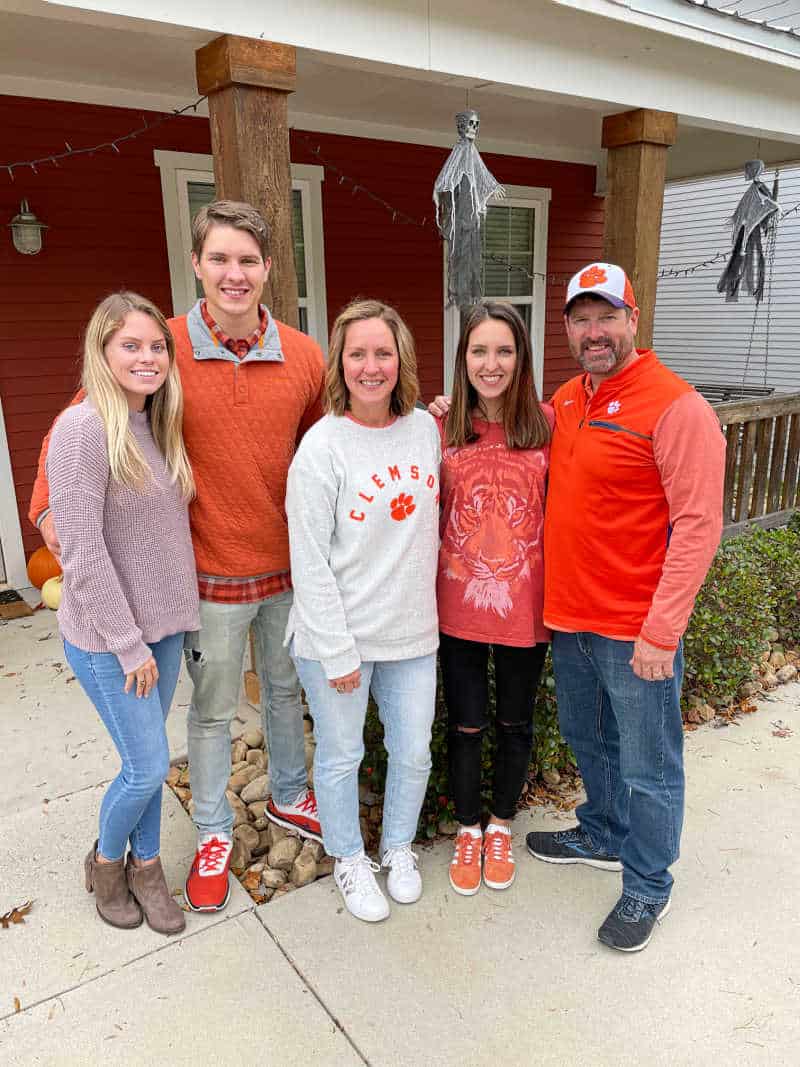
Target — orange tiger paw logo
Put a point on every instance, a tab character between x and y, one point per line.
402	506
592	276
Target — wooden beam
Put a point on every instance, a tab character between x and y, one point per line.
247	83
637	143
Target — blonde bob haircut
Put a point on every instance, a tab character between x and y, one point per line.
406	391
165	406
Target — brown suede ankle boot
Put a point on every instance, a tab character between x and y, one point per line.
113	900
149	887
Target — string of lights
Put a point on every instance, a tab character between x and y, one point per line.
55	158
357	188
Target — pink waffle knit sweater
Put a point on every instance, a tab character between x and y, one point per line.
129	570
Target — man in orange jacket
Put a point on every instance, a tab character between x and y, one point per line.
633	519
252	386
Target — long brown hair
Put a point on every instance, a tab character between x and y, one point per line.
524	422
127	463
405	392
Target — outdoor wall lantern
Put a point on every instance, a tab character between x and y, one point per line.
26	231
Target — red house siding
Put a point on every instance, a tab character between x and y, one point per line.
107	232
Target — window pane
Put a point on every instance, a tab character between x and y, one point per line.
299	243
202	193
508	243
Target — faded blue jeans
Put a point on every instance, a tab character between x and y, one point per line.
131	807
627	736
214	662
405	692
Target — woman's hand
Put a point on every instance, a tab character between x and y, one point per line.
145	677
347	683
439	407
47	529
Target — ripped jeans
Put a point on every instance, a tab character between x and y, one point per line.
214	661
465	681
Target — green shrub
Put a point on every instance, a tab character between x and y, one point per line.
725	636
753	585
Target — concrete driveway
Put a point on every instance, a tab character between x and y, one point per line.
516	977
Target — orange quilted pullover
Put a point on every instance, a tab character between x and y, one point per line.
242	422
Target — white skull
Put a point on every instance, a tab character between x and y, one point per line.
468	124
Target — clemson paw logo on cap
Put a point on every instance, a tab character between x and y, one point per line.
593	276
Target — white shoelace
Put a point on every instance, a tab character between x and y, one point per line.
495	845
355	874
402	859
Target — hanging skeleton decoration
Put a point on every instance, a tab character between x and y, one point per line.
461	194
755	214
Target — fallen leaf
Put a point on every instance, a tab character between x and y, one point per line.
17	1005
781	729
16	915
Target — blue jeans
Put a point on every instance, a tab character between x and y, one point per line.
215	667
627	736
405	692
131	807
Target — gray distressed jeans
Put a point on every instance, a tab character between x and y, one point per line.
214	662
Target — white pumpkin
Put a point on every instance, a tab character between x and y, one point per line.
51	592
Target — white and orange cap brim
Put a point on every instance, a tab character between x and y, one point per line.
602	279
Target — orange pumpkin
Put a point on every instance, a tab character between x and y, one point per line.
41	566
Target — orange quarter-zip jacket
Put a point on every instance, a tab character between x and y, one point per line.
634	505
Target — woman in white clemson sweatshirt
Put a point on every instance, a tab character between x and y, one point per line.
363	506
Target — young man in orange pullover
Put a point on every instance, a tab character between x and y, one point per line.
252	387
633	519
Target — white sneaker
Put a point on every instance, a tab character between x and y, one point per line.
355	878
403	882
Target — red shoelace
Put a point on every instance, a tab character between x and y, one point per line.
212	855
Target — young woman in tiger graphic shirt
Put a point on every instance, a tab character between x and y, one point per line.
495	448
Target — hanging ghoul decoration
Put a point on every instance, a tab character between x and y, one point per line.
755	214
461	195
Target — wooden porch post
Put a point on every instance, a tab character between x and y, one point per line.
247	83
637	143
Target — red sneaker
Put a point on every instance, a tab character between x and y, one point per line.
300	815
207	887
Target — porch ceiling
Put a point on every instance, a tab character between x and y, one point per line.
62	53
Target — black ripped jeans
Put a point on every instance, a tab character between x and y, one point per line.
466	692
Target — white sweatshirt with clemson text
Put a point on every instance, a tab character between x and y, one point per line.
363	510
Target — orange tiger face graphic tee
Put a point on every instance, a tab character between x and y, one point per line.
490	583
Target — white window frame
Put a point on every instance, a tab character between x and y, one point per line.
536	199
178	169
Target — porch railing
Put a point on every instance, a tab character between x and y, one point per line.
762	461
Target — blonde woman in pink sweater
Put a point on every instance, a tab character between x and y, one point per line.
120	484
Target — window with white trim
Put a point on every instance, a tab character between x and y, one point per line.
187	184
512	270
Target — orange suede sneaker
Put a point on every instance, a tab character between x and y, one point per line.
465	870
498	862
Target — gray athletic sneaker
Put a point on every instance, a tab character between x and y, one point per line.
569	846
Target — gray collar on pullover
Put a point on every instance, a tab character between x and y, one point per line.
206	346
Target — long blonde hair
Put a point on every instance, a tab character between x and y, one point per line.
404	395
165	406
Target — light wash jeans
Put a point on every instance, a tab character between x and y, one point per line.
627	736
405	692
131	807
215	664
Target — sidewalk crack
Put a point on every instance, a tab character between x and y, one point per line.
310	986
